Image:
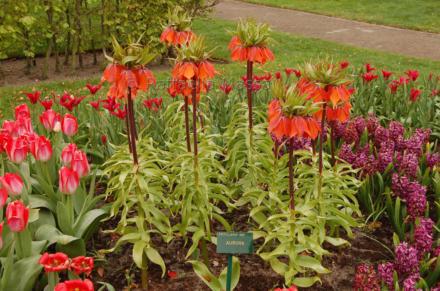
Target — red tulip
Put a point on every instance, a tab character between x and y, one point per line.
278	75
368	77
110	104
47	103
51	120
386	74
433	93
412	74
344	64
67	101
394	85
80	164
69	125
17	149
81	265
1	233
22	111
3	197
12	183
153	104
34	96
68	180
414	94
369	68
54	262
41	149
119	113
17	216
226	88
67	153
104	139
95	104
93	88
75	285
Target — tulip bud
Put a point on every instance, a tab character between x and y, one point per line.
67	153
69	125
68	180
80	164
12	183
41	149
17	216
51	120
17	149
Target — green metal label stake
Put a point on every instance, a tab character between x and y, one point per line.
231	243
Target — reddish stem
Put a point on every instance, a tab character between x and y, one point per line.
321	139
249	82
291	186
188	142
128	127
132	127
194	103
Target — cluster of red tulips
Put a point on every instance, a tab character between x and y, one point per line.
58	262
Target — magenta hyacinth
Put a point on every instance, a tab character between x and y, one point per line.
433	160
386	271
423	237
416	202
410	283
366	278
406	261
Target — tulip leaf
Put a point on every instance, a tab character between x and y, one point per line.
24	274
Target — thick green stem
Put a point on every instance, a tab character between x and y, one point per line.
144	279
204	251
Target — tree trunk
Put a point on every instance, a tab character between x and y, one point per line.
49	13
78	31
68	49
92	38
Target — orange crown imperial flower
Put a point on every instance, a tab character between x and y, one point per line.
327	82
127	69
250	41
177	30
291	112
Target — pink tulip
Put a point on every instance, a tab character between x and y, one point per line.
22	111
67	153
17	216
17	149
69	125
68	180
23	126
51	120
41	149
80	164
8	127
12	183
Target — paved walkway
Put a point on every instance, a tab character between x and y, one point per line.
378	37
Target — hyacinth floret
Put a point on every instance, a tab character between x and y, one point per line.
385	271
366	278
406	261
423	236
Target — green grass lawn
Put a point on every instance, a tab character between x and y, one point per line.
413	14
290	51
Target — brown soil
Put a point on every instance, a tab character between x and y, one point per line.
13	70
256	275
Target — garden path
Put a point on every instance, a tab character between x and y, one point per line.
402	41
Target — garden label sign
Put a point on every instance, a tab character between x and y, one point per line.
231	243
